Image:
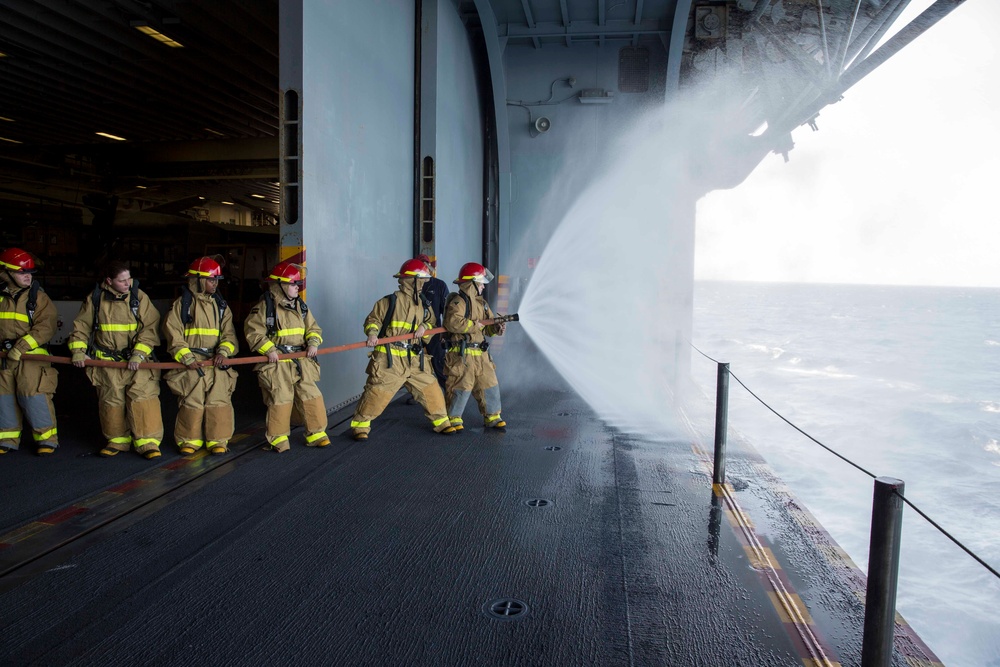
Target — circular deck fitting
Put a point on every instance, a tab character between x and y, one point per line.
537	502
506	609
553	448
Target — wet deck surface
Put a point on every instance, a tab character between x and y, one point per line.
392	552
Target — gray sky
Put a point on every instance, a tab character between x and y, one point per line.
898	186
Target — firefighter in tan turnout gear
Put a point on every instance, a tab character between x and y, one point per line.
468	366
401	363
118	322
199	327
281	323
27	323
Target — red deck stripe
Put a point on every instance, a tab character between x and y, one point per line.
62	515
127	486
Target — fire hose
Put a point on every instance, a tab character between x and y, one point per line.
235	361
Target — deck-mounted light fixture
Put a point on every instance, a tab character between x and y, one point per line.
146	29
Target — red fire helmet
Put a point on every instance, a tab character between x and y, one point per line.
15	259
288	272
205	267
475	273
413	267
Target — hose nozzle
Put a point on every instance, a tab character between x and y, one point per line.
500	319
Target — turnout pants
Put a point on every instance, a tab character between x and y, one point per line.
204	406
383	383
27	387
129	407
474	374
288	385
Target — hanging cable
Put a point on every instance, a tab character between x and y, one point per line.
916	509
950	537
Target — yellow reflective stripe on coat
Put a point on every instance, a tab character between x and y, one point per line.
394	350
470	352
142	347
10	315
263	349
355	424
45	435
77	345
291	332
371	326
316	338
118	327
30	341
468	326
107	357
227	346
181	353
195	331
402	325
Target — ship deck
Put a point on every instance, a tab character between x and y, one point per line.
559	542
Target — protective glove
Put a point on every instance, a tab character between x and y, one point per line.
14	354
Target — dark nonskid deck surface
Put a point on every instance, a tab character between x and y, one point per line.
560	542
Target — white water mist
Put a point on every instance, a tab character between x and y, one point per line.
609	300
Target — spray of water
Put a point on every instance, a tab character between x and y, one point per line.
608	302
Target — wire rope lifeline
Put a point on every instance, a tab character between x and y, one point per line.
944	532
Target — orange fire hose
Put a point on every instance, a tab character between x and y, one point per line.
167	365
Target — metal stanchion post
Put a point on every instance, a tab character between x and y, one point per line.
721	424
883	573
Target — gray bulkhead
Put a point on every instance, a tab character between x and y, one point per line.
351	65
350	68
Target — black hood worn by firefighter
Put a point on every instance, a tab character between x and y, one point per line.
118	322
27	323
468	365
403	363
199	327
282	323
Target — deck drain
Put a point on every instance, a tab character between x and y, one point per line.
553	448
506	609
537	502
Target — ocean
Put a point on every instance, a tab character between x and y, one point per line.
904	381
